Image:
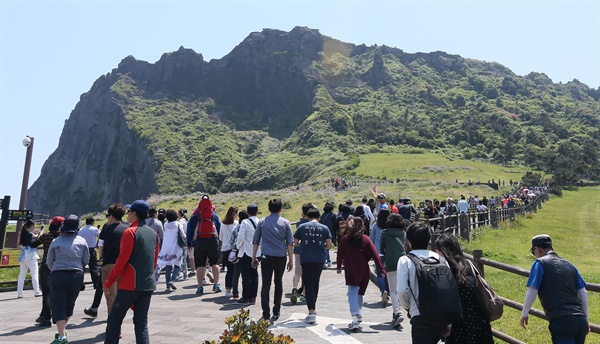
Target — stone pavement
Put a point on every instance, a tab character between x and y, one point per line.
183	317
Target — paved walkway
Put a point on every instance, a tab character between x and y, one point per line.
183	317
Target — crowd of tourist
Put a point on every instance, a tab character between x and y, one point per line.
376	232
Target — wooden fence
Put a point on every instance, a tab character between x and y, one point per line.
463	224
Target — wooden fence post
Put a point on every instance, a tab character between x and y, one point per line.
476	255
494	218
463	225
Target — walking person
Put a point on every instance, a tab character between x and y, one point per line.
313	238
274	234
67	256
355	251
228	224
171	254
245	251
206	249
187	254
375	236
109	245
562	293
237	269
28	259
475	327
91	233
134	269
297	266
328	219
45	318
418	236
393	246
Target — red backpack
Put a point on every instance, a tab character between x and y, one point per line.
205	228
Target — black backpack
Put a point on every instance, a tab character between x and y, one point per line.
439	301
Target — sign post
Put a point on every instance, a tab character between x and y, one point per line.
4	219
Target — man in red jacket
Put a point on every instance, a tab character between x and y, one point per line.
135	269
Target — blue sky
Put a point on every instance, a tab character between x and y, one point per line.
52	51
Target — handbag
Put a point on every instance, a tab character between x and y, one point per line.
233	257
489	301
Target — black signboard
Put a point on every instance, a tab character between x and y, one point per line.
20	215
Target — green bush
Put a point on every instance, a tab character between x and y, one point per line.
240	329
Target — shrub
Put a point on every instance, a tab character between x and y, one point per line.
240	329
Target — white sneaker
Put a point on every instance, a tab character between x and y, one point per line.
228	294
354	326
359	318
311	319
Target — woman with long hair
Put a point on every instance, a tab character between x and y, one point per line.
227	226
28	259
355	251
171	254
475	327
375	236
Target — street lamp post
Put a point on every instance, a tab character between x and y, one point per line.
28	143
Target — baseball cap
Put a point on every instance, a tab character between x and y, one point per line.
138	205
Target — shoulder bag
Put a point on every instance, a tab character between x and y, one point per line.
489	301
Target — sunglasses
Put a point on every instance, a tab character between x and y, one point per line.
533	250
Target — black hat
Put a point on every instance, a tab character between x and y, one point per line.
542	240
71	224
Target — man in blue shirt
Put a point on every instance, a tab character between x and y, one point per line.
562	293
313	238
274	234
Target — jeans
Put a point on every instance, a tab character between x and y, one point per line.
327	256
272	265
425	332
381	282
45	287
235	280
311	275
141	303
568	329
32	266
171	269
249	278
354	300
229	266
65	286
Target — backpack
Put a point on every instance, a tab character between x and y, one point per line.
343	225
439	301
205	228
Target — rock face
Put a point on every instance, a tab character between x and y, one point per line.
99	160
